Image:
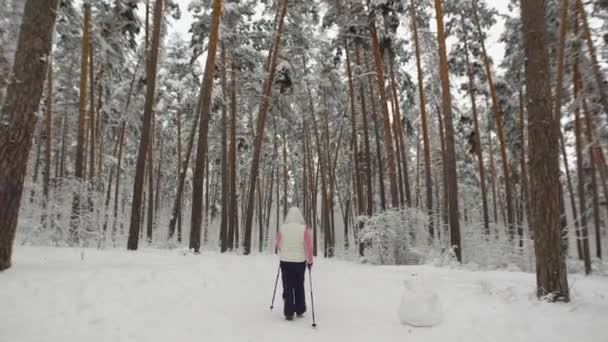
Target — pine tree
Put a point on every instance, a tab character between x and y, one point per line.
18	116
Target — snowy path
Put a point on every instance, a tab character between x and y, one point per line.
53	294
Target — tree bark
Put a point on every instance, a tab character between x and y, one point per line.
498	115
424	125
597	73
477	149
18	116
388	137
233	223
224	156
201	153
80	142
449	135
151	65
377	136
261	123
551	274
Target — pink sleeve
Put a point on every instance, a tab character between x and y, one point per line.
308	245
277	242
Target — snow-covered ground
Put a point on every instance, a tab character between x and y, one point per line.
57	294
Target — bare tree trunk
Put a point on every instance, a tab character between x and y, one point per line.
581	176
261	123
498	115
592	171
48	134
551	274
118	171
179	173
201	153
377	136
80	148
449	136
224	156
578	85
493	174
399	134
446	191
523	162
150	166
477	148
233	223
388	138
597	73
151	65
19	114
92	119
368	166
424	125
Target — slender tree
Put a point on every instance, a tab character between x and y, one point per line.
205	111
261	123
144	143
80	141
446	100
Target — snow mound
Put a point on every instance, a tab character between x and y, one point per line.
420	307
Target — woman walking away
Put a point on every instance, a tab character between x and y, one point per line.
294	242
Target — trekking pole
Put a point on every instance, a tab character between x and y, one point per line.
276	282
312	299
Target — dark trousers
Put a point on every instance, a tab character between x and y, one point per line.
292	274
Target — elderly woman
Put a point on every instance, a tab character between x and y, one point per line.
294	242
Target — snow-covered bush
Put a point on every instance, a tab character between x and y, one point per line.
394	236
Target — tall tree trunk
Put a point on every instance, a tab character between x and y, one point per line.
399	133
597	72
177	202
594	183
424	125
80	142
179	172
261	123
498	115
201	153
151	64
377	136
233	222
92	120
524	162
358	183
224	156
551	274
388	138
578	85
449	135
444	169
477	149
582	195
150	173
493	174
64	138
575	212
19	113
48	134
369	206
118	171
